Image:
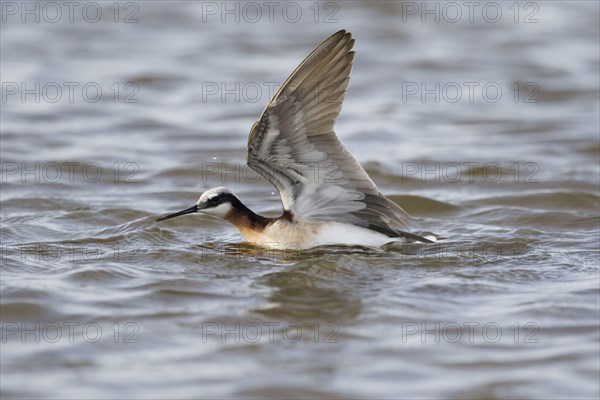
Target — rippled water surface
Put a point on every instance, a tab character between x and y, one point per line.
487	133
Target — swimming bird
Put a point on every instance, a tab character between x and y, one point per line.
327	196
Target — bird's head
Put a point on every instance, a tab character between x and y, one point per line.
216	201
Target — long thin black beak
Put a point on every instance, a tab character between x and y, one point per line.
190	210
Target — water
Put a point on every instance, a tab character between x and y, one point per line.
99	301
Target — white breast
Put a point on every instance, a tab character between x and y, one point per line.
307	234
340	233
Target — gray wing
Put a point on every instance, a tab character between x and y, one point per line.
294	146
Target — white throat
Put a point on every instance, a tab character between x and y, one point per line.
219	211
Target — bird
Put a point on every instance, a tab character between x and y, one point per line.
327	197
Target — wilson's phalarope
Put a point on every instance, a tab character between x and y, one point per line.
327	197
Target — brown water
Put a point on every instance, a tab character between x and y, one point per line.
99	301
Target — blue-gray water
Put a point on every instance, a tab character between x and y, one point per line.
486	132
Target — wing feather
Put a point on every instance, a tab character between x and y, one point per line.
294	146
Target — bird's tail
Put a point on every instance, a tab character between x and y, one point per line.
411	237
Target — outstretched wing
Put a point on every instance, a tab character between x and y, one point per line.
294	146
